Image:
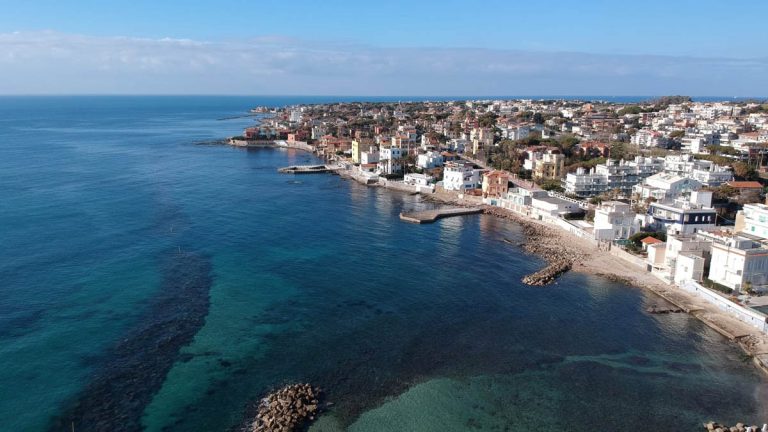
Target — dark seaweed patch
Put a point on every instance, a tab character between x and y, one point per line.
134	369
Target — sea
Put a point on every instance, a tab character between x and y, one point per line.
153	279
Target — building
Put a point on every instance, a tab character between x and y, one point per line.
369	157
429	160
481	138
460	176
390	160
665	187
705	172
549	164
545	204
739	262
753	220
683	216
416	179
747	191
495	184
615	220
680	258
359	146
585	183
620	176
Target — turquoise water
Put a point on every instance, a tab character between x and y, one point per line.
119	228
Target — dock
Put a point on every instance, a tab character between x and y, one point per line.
307	169
429	216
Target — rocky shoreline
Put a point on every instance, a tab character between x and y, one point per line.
287	409
739	427
544	242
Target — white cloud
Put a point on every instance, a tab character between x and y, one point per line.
52	62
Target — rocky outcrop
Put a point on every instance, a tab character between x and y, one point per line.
542	241
739	427
287	409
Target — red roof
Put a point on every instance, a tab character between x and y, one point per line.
650	240
745	185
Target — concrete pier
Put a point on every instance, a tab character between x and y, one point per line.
307	169
429	216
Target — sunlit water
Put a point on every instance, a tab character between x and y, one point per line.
313	278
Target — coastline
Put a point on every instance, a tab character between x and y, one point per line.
556	245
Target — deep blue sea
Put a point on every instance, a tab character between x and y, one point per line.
151	280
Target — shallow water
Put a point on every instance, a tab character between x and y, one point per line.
313	278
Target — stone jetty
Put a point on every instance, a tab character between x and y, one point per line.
544	242
429	216
739	427
288	409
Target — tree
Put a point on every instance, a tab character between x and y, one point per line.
538	118
487	120
551	185
744	171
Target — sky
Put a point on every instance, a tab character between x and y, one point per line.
394	47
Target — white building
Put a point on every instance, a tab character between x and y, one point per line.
615	220
612	175
543	203
295	116
703	171
416	179
753	220
429	160
390	160
460	176
516	132
682	216
680	258
665	186
458	145
738	261
369	157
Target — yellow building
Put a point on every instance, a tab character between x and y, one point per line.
359	146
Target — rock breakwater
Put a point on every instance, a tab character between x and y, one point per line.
287	409
739	427
542	241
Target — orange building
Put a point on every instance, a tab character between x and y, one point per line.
495	183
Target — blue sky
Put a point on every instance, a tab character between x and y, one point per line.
386	47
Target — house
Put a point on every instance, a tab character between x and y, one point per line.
369	157
748	191
481	138
680	258
549	164
416	179
460	176
495	183
615	220
429	160
648	241
390	160
739	261
593	149
683	216
753	220
360	145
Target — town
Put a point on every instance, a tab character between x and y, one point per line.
675	187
